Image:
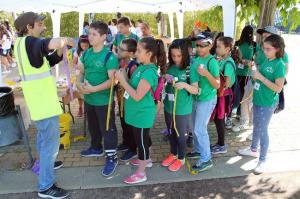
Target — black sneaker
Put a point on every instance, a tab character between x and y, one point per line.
122	147
190	141
54	192
128	155
58	165
193	155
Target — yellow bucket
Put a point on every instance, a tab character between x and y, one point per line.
65	122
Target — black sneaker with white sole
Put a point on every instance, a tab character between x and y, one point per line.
58	165
54	192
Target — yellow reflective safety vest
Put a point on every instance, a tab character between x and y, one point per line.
38	85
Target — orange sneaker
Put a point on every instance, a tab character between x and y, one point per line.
169	160
176	165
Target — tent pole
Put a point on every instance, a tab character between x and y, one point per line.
171	21
81	21
55	16
229	18
179	16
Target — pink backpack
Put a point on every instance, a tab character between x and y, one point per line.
157	94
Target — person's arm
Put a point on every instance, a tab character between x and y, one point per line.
227	82
214	81
193	88
88	88
60	43
142	89
276	87
75	58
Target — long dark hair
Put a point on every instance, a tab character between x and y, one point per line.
277	42
157	48
214	47
246	36
182	45
82	39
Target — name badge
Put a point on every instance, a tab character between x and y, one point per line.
256	86
126	95
171	97
241	66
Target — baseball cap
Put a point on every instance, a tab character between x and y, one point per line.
204	37
269	29
27	18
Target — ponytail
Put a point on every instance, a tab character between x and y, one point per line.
157	48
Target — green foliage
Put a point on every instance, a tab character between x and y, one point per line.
288	11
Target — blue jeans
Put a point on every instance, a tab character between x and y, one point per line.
201	115
47	147
261	118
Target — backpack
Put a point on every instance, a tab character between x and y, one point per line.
131	68
157	94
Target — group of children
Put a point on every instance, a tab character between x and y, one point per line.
193	85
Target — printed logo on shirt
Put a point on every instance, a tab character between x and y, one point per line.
182	77
99	64
138	74
269	70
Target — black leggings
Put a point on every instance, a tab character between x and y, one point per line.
96	117
128	138
178	144
143	141
242	80
220	123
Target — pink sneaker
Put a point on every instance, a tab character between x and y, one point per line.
136	162
136	178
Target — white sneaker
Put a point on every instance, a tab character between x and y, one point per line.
228	123
13	64
260	168
248	152
239	128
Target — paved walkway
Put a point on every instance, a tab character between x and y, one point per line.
82	172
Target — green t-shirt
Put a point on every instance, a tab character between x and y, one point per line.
208	92
120	37
272	70
184	100
141	114
96	72
247	52
261	57
227	67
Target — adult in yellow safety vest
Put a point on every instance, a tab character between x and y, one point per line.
34	57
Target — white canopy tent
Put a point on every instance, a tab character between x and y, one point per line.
136	6
128	6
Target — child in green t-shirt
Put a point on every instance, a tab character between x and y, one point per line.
124	33
225	94
140	109
126	54
179	90
269	80
98	68
207	74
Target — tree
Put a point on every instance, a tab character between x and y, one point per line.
262	12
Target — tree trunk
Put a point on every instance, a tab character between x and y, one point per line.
267	13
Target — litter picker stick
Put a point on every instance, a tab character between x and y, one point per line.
65	57
174	112
109	103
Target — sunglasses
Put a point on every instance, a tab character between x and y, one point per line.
202	45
